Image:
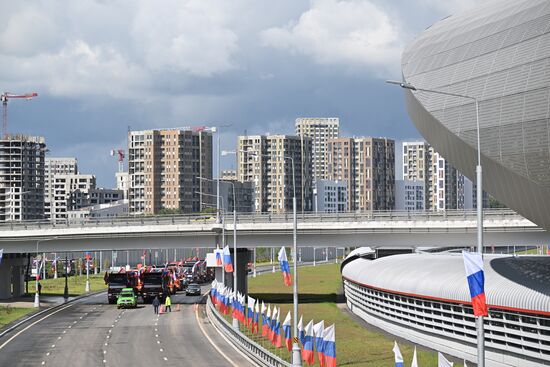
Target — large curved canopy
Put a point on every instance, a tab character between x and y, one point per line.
498	53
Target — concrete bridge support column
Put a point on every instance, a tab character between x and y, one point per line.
5	279
243	258
18	280
12	275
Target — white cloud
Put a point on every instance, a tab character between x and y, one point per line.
347	32
190	36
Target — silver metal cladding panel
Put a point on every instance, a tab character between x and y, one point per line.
500	54
513	282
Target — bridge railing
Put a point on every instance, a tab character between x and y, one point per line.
259	354
449	215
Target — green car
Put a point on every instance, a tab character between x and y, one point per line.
126	298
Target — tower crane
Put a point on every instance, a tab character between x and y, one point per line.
121	154
4	98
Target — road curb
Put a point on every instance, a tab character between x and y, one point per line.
39	313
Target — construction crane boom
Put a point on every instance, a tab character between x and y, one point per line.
4	98
121	154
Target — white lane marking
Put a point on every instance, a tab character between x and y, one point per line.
48	353
64	331
104	352
104	361
165	358
70	326
162	350
58	338
74	322
158	341
43	362
108	336
211	341
53	345
106	344
156	335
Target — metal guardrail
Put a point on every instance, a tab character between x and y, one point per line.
252	349
449	215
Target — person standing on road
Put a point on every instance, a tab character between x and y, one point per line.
168	304
156	304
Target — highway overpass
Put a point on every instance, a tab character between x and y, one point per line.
376	229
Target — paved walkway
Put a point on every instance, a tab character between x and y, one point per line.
46	301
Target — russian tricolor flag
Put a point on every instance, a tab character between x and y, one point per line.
398	355
301	331
272	324
250	314
219	257
286	331
285	268
308	355
318	329
329	346
228	264
266	322
473	262
277	336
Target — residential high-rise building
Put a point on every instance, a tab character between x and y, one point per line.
56	166
444	186
320	130
375	174
264	160
409	195
340	160
164	167
122	182
330	196
63	187
22	177
367	165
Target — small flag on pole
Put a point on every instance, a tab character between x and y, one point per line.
308	355
219	261
442	361
318	329
473	263
398	355
285	268
266	321
228	264
329	346
301	331
286	330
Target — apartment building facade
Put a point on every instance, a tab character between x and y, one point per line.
22	160
268	162
320	130
164	167
56	166
367	165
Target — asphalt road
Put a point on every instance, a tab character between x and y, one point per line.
90	332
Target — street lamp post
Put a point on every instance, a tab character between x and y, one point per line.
296	351
479	199
235	322
66	291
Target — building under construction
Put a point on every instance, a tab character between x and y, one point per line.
21	177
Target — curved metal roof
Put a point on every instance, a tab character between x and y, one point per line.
498	53
519	283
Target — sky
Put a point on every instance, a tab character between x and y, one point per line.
102	67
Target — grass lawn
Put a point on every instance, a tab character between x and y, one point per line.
319	289
9	314
77	285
